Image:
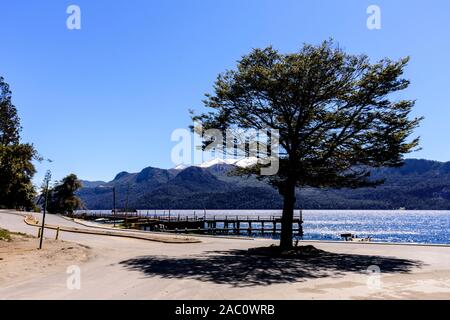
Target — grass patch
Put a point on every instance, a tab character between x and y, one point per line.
5	235
24	235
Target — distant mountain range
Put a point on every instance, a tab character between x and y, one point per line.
419	184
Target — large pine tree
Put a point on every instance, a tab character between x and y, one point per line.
16	166
335	113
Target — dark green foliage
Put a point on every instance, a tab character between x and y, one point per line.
62	198
334	112
16	167
9	120
16	172
5	235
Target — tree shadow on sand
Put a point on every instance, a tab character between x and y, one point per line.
239	268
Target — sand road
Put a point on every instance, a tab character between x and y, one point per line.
122	268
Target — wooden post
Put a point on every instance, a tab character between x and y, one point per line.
57	233
47	179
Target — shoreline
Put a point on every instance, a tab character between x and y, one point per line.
101	226
220	269
403	227
95	225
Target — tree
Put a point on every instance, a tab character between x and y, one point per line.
9	120
16	167
334	112
16	173
62	197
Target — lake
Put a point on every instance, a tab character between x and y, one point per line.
431	227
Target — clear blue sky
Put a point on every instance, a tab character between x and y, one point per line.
106	98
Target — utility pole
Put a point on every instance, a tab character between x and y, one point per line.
128	196
114	204
48	177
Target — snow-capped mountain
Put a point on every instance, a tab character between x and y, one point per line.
242	163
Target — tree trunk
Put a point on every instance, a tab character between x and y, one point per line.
289	199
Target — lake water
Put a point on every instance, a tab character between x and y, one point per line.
387	226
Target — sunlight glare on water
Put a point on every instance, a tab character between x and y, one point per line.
432	227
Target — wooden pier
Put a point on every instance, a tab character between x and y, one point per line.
206	224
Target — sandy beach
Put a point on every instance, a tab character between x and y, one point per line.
214	268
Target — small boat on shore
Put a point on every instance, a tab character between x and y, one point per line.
355	238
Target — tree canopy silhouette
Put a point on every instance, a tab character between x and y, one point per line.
62	197
16	167
335	114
